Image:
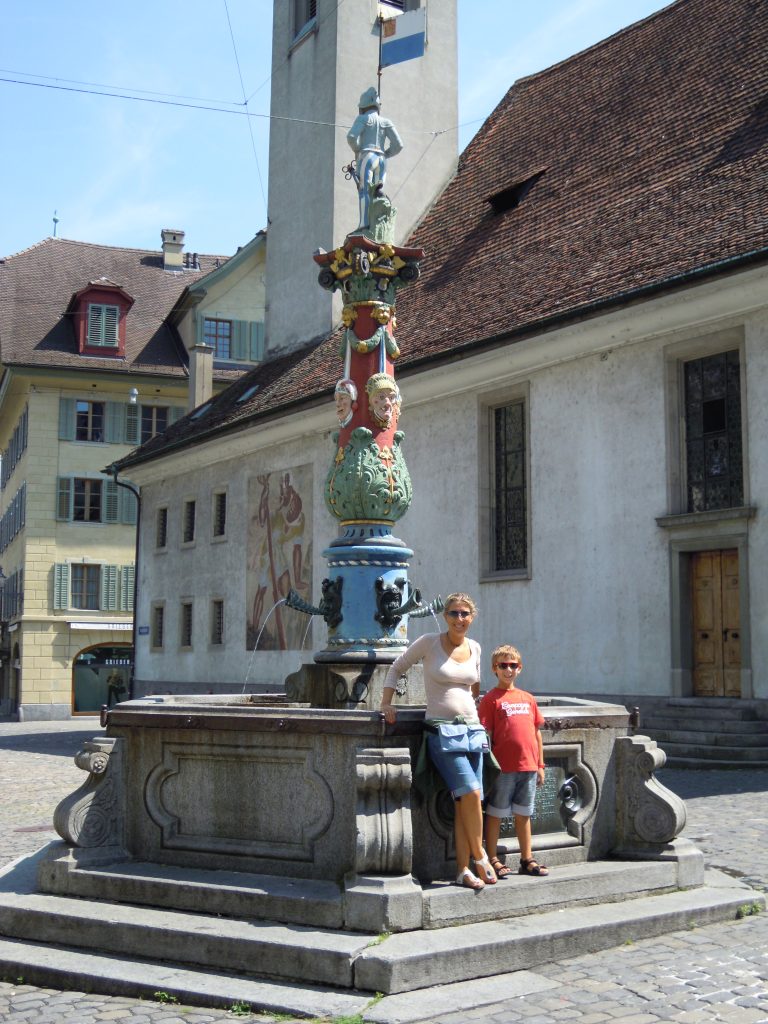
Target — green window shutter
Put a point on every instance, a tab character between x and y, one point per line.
114	424
66	419
60	586
64	498
175	412
127	577
109	588
199	329
131	424
128	506
240	340
110	502
256	339
95	325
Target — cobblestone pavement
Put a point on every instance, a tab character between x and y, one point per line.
716	974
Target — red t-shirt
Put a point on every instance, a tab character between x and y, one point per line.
512	718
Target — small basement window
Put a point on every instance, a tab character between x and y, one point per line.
510	198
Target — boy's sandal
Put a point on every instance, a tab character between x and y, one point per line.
469	881
502	871
532	867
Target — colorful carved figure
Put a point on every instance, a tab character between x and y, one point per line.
383	400
345	397
374	139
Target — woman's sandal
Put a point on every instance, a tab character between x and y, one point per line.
485	871
469	881
502	871
532	867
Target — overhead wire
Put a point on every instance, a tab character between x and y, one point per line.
245	104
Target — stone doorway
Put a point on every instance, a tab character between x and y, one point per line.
716	623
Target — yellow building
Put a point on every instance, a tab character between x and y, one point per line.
101	349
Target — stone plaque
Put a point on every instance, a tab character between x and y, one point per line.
548	816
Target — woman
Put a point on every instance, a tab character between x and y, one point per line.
452	684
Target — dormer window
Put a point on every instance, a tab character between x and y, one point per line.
103	324
99	312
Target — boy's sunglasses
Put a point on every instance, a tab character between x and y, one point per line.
455	613
507	664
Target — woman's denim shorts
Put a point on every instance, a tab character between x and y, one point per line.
462	773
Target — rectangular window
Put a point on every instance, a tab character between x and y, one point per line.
86	506
158	625
161	528
188	523
218	335
508	489
89	421
185	637
217	622
219	514
154	420
103	324
86	587
713	432
304	11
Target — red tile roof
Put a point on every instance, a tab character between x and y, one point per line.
36	286
654	147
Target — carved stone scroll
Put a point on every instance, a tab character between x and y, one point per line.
648	814
384	835
93	814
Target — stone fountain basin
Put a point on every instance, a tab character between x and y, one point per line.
257	783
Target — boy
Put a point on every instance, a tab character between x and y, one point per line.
512	720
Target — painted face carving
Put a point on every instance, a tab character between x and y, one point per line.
383	404
345	397
383	399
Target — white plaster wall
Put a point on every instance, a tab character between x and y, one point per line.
756	346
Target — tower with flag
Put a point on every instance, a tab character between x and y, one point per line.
325	55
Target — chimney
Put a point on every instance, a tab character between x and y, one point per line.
173	244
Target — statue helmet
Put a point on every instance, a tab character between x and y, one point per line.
370	98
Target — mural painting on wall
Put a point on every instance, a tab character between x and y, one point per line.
279	557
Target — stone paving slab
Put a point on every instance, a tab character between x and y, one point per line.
717	974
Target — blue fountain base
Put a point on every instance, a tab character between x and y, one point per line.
363	554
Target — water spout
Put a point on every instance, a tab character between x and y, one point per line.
258	638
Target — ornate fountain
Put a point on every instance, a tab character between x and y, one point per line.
306	798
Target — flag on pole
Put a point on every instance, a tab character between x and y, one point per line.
403	37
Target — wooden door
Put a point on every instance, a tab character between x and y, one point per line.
716	632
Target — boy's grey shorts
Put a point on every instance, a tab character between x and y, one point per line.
512	793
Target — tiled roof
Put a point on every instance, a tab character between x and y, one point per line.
654	148
36	286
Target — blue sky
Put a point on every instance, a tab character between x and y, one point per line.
117	171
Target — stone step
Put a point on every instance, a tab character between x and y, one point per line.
398	964
566	886
752	756
693	723
682	761
708	738
320	904
273	950
719	708
68	968
212	947
228	893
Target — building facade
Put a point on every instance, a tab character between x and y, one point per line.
581	370
79	390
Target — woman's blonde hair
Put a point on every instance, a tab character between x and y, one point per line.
461	598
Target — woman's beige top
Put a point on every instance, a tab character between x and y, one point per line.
447	683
